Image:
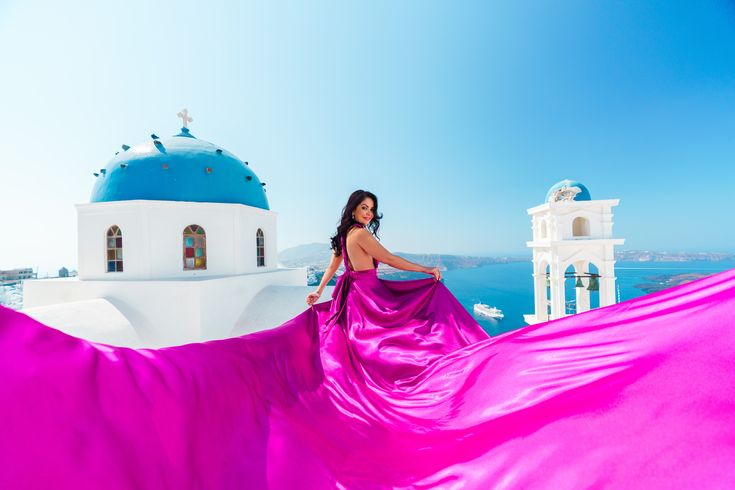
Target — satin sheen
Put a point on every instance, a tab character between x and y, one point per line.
391	384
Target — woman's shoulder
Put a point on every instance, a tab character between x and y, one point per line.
357	232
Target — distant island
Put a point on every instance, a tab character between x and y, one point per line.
316	257
665	281
649	256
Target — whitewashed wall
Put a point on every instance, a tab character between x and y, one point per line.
172	312
152	233
554	245
558	217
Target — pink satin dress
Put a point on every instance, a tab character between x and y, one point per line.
387	332
391	384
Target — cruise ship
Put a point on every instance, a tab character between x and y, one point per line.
487	310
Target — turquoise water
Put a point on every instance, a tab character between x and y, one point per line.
510	286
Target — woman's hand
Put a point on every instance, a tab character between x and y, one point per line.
434	272
313	297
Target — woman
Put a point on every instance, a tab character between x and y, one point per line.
358	226
394	329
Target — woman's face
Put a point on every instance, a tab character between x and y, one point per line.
364	211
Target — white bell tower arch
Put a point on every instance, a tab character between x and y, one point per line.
572	238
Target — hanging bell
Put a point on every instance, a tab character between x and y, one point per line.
548	281
594	284
579	282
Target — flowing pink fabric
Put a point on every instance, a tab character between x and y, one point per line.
389	385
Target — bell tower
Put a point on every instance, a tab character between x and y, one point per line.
573	249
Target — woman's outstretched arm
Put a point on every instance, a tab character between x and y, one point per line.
331	269
369	244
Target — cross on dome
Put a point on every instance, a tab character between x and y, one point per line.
184	115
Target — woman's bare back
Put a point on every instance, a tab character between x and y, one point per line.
358	259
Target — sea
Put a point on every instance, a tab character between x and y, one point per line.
510	286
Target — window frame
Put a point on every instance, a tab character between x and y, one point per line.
192	232
260	248
116	262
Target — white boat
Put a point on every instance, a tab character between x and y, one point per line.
489	311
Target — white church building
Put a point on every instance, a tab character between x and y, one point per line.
177	245
573	249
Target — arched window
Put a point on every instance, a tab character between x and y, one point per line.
260	247
114	249
571	278
543	230
195	248
580	227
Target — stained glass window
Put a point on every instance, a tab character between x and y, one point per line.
114	244
195	248
260	247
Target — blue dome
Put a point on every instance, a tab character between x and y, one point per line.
582	195
179	168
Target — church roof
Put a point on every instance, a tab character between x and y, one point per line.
581	193
178	168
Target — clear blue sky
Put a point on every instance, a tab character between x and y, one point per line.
459	115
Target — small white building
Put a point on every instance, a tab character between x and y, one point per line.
176	241
572	245
13	276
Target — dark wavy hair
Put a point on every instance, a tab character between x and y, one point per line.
346	221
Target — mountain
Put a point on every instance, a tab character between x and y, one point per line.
654	256
451	262
315	255
318	255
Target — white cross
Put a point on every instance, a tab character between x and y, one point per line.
184	115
